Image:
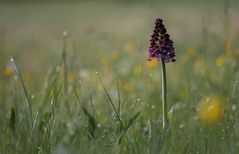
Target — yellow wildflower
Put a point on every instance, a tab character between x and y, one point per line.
138	70
220	61
199	66
105	63
212	110
190	53
115	55
129	47
228	46
8	71
152	64
126	86
71	77
231	51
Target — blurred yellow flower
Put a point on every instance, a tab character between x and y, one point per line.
212	110
115	55
152	64
60	70
126	86
105	63
129	87
138	70
220	61
71	77
190	53
8	71
199	66
228	46
129	47
231	51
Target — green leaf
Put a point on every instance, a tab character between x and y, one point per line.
13	119
91	122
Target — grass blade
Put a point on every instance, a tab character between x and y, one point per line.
112	104
29	105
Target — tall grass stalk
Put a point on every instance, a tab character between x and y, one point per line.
112	104
65	76
28	100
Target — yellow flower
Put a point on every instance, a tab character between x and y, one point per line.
228	46
152	64
8	71
212	110
129	47
115	55
138	70
231	51
105	63
190	53
126	86
71	77
220	61
199	66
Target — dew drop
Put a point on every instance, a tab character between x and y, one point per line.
64	33
234	107
181	126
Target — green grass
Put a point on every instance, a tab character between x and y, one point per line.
94	92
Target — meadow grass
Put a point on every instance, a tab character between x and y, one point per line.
93	91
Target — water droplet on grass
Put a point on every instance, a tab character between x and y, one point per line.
181	126
32	96
64	33
234	107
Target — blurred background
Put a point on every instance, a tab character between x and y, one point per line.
33	29
112	38
103	35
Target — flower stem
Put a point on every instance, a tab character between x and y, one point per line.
164	94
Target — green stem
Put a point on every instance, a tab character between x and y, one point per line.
164	94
